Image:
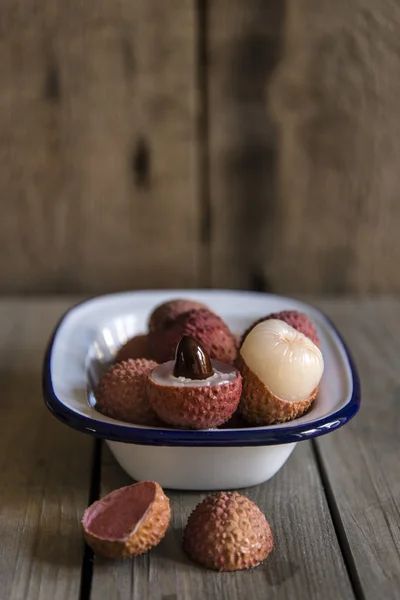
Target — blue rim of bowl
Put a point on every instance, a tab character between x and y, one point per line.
252	436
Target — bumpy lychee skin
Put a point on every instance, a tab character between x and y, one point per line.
228	532
135	347
295	319
121	392
259	406
128	521
165	314
201	324
194	405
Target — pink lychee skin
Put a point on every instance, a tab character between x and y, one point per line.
195	407
205	326
122	392
228	532
165	314
295	319
150	530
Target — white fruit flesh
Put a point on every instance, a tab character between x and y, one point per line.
164	375
285	360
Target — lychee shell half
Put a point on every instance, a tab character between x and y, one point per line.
206	327
135	347
121	392
128	521
259	406
295	319
228	532
195	407
165	314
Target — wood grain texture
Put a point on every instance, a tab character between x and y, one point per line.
306	562
44	467
108	183
361	461
335	102
243	51
304	145
98	157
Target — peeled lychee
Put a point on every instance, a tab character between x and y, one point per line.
295	319
193	391
128	521
135	347
201	324
165	314
228	532
122	392
281	370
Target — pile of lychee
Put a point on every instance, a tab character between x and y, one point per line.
191	371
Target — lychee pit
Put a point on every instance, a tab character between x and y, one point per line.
192	360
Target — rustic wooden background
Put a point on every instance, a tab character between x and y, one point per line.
223	143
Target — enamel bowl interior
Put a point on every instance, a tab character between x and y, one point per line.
88	337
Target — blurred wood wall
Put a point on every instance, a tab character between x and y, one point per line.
184	143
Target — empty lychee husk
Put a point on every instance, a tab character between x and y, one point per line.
128	521
259	406
135	347
201	324
193	391
165	314
122	392
294	318
228	532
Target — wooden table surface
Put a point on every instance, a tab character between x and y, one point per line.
334	507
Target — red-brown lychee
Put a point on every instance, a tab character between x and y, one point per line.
201	324
165	314
228	532
193	391
135	347
122	392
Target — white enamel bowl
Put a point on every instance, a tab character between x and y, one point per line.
87	339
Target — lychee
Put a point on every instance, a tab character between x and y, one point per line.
194	391
295	319
228	532
135	347
165	314
281	370
128	521
201	324
121	392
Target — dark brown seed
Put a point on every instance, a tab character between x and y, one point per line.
192	360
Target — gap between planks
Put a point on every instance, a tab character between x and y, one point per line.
203	142
343	541
94	494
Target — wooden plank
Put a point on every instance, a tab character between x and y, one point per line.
361	460
306	562
323	215
44	466
243	52
98	169
334	102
